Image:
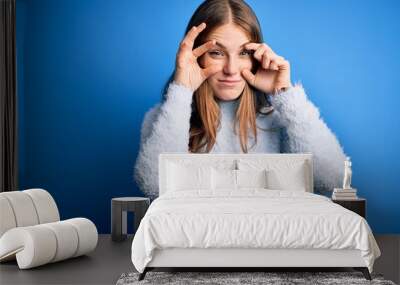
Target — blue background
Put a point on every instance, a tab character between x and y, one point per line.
89	70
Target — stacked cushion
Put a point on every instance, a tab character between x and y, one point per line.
26	208
40	244
31	231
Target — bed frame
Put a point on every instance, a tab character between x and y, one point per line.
247	259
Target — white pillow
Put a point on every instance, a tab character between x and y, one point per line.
223	179
293	179
183	177
251	178
281	174
230	179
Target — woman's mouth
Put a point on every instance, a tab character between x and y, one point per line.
228	83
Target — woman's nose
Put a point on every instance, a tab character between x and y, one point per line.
231	67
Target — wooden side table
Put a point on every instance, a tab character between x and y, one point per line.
357	206
119	208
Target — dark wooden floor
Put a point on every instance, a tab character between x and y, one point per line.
111	259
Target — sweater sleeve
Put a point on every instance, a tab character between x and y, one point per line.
165	128
304	131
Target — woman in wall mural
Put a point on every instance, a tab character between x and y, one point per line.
214	100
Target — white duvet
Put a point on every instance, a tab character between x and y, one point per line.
252	218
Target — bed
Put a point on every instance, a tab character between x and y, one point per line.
245	211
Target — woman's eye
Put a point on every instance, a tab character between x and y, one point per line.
216	53
246	52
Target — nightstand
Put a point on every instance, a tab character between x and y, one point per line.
357	206
119	208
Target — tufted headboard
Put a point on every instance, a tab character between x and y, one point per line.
276	161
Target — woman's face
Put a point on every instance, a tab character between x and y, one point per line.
229	52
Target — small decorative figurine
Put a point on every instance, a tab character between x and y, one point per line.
347	174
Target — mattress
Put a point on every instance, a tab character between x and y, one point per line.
250	218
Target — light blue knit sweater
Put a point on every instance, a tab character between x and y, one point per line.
294	127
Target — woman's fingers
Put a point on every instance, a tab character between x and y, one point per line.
188	40
267	57
264	54
280	63
252	46
256	46
259	53
275	62
203	48
271	61
273	65
249	76
266	60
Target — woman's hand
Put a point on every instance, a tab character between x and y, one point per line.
273	75
187	70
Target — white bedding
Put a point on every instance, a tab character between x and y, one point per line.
251	218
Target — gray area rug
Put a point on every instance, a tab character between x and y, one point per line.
229	278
